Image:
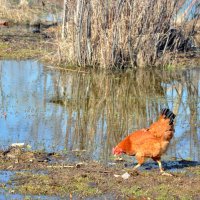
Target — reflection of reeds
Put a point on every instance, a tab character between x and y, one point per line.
103	108
193	101
186	104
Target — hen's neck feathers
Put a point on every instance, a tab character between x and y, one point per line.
161	126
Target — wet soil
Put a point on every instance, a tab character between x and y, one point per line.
40	173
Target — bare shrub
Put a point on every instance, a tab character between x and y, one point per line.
120	33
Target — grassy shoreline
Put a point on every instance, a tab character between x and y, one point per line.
37	175
36	47
123	39
17	43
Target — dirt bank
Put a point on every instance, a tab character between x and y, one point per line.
40	173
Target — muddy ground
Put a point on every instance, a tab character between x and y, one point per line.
23	42
40	173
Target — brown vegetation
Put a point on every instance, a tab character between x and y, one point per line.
16	13
113	33
121	33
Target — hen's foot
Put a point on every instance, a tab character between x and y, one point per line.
166	174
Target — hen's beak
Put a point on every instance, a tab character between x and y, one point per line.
113	150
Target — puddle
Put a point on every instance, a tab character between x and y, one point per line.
6	195
5	177
53	17
56	110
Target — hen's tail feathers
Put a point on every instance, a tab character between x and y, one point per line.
168	114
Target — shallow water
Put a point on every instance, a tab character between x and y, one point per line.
9	193
93	111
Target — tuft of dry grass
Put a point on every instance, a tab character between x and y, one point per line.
18	13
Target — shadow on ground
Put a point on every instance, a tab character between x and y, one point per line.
168	165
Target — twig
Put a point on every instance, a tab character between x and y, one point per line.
66	69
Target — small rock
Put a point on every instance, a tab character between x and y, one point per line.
3	23
125	165
84	175
11	191
134	173
126	175
112	163
119	159
78	165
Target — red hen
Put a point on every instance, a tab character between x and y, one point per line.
151	142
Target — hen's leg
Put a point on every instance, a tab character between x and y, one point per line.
136	166
140	160
161	168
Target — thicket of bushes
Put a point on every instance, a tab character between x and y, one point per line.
120	33
114	33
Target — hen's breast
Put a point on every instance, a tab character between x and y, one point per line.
164	146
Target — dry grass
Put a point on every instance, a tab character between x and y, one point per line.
17	13
121	33
112	33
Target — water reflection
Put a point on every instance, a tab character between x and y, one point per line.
24	88
94	110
